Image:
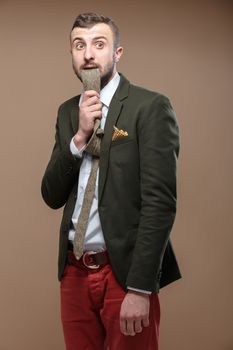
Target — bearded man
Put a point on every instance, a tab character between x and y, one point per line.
112	267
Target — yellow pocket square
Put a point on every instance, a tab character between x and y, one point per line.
118	133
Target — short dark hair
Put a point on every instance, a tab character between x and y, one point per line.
89	19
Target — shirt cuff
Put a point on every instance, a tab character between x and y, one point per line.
140	290
75	151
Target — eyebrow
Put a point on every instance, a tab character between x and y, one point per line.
94	39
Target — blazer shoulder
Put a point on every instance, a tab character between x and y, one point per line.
138	94
65	110
69	104
142	94
151	102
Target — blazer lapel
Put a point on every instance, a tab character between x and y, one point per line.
113	114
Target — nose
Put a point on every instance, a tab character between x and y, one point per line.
89	53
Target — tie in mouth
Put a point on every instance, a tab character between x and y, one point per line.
91	79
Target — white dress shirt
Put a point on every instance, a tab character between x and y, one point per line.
94	239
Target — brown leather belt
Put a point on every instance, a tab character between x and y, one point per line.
90	259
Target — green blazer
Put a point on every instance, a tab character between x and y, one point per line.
137	185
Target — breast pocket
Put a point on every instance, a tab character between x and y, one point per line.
121	141
124	153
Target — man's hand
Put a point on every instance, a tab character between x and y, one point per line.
90	109
134	314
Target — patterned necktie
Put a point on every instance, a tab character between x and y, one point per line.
93	148
91	81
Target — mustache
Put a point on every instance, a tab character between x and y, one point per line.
89	65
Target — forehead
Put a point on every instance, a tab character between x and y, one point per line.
98	30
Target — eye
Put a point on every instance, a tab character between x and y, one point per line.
79	45
99	44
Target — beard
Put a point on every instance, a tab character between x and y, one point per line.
105	73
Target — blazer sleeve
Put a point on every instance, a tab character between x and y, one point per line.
62	171
158	139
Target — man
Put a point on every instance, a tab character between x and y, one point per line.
109	295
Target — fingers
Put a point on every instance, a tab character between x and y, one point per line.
91	101
145	322
134	313
133	326
90	109
90	112
130	328
123	326
127	327
91	104
138	326
87	95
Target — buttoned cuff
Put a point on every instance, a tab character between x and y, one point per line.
75	151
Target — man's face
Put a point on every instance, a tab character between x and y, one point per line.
94	48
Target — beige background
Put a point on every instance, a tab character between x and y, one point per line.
181	48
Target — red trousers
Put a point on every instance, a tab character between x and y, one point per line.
90	309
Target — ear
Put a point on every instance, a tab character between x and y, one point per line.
118	53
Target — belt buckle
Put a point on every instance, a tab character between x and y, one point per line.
85	255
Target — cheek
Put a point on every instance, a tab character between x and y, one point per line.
107	59
76	58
